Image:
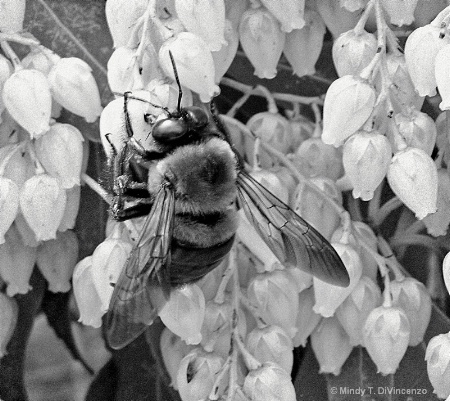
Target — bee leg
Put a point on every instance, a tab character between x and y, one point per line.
141	209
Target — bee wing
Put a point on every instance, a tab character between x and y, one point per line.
293	240
144	285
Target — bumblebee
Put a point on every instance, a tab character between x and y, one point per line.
189	182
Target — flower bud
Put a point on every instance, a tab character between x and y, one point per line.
17	164
348	104
331	345
437	223
403	93
338	19
194	62
9	311
73	86
86	295
122	17
60	151
225	55
9	205
353	51
386	337
17	261
412	176
438	368
442	80
204	18
12	16
173	350
353	312
108	261
42	202
276	297
273	129
271	344
329	297
421	48
262	41
40	60
307	319
315	158
290	13
56	260
366	159
270	382
400	12
319	212
184	312
307	40
413	298
417	129
71	210
26	95
196	375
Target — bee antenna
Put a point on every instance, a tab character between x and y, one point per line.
127	115
128	95
175	72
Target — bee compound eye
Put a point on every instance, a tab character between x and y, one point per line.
169	130
197	116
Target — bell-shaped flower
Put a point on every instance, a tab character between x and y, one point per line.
287	179
216	329
108	261
60	151
329	297
56	260
331	345
197	373
353	51
353	5
417	130
307	319
353	312
9	311
421	48
173	350
307	40
316	208
348	104
412	175
42	61
73	86
413	298
270	382
26	95
71	210
437	223
184	312
338	19
262	40
400	12
9	205
205	18
17	261
42	203
437	356
366	159
225	55
290	13
86	295
194	63
315	158
271	344
276	297
12	16
270	181
17	165
386	336
124	71
122	17
402	91
442	80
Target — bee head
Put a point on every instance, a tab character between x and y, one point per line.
203	176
